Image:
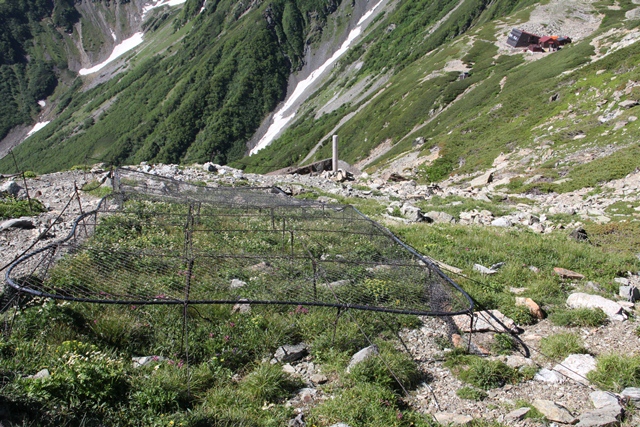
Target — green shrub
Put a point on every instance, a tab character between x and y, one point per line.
578	317
269	383
376	369
10	207
366	404
559	346
615	372
471	393
481	373
82	378
29	174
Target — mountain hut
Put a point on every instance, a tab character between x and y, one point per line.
520	38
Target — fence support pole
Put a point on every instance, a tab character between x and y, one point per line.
334	161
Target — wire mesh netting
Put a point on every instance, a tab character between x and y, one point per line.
161	241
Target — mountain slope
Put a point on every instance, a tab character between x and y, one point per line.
205	82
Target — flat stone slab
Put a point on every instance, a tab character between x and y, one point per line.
576	367
554	411
486	321
517	414
24	223
603	417
548	376
612	309
567	274
446	418
633	394
601	399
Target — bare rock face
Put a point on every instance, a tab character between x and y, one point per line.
581	300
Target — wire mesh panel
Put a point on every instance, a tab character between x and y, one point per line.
159	241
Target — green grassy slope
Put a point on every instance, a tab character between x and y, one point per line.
476	118
200	99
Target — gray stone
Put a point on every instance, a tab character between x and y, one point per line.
576	367
484	270
10	188
633	394
412	213
581	300
518	361
340	425
319	379
601	399
630	293
336	284
440	217
145	360
362	355
24	223
517	414
289	369
482	180
446	418
237	283
502	222
210	167
608	416
290	353
628	103
554	411
548	376
241	308
297	421
43	373
622	281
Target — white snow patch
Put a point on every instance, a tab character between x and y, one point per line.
279	119
113	35
160	3
203	6
120	49
37	127
42	103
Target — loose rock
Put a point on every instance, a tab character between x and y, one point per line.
362	355
576	367
554	411
290	353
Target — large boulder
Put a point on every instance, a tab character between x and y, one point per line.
10	188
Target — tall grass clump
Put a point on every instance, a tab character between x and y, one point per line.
559	346
615	372
578	317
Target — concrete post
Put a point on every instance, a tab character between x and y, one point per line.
334	163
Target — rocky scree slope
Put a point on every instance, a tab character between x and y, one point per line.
555	391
